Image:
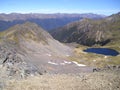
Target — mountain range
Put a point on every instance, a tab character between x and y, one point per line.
90	32
46	21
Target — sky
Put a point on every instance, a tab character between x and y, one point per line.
106	7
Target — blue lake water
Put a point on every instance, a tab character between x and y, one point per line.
104	51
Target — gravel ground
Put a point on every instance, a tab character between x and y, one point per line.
82	81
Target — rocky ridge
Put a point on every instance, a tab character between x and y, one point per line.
90	32
46	21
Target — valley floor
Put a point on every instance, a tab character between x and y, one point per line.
83	81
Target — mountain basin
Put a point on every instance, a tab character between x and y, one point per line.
103	51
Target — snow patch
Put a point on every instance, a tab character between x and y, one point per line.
52	63
67	62
94	60
49	55
78	64
62	63
105	57
67	55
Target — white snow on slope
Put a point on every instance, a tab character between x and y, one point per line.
78	63
52	63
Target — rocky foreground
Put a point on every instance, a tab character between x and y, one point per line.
83	81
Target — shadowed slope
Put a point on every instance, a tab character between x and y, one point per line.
90	32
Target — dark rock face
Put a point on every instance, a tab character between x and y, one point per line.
83	32
89	32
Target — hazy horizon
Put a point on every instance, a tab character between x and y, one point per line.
103	7
52	13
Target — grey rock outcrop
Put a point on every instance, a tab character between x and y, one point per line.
13	64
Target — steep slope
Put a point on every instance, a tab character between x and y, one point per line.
90	32
46	21
24	48
27	49
29	33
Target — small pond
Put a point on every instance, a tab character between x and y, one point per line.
103	51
